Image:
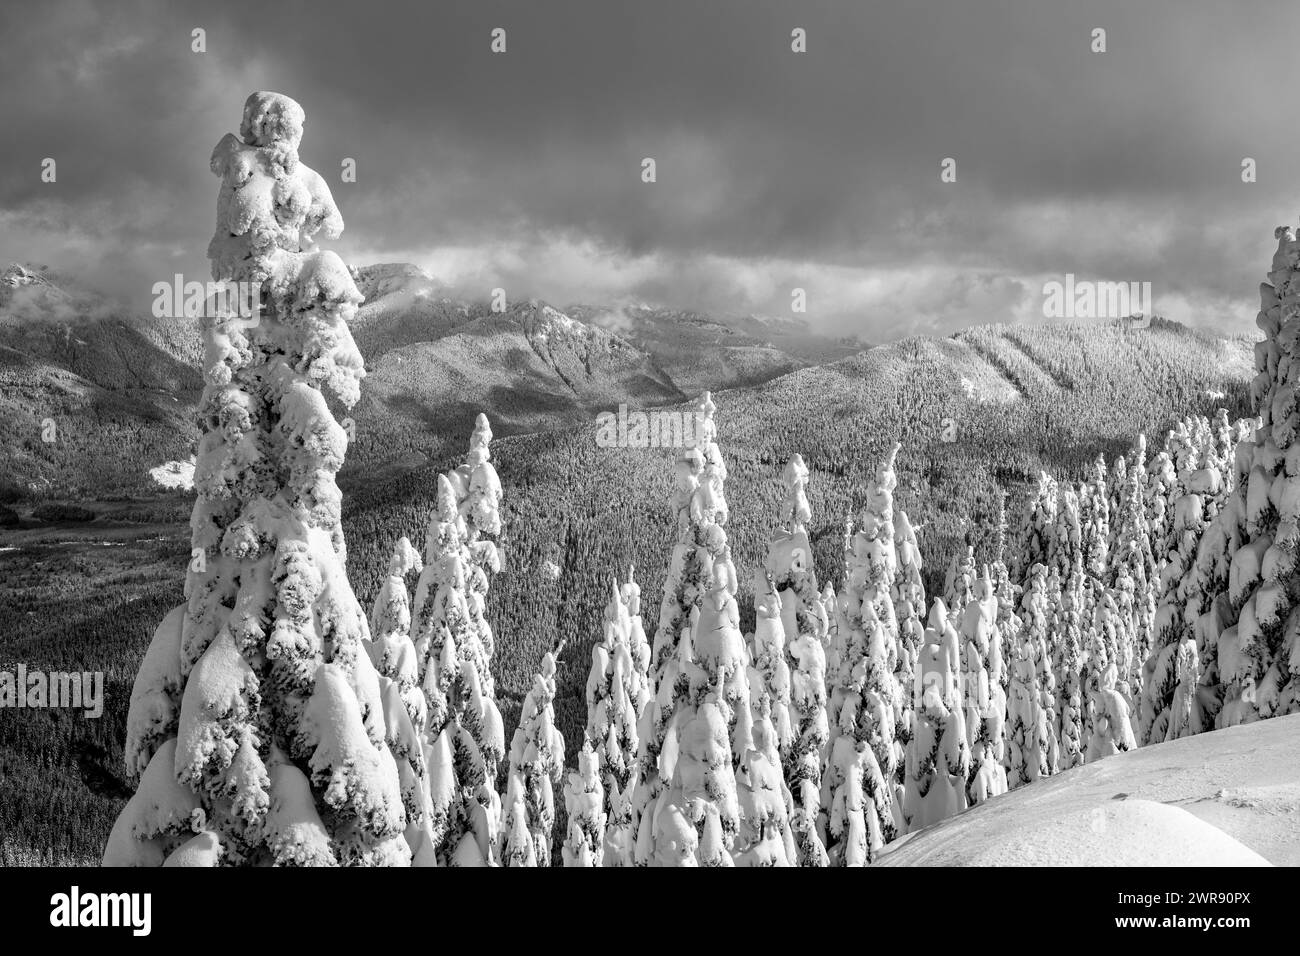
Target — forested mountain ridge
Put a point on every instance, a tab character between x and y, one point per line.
978	414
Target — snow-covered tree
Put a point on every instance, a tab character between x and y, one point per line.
769	679
1172	672
394	657
863	748
584	802
686	799
618	690
536	767
1006	594
938	758
257	725
1094	521
983	697
1037	529
1065	550
1069	663
865	699
1161	489
766	835
1258	650
1111	731
804	620
1026	721
1132	573
1037	620
1208	609
909	600
959	583
464	734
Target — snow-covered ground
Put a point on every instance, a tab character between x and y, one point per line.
174	474
1226	798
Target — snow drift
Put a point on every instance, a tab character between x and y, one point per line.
1227	798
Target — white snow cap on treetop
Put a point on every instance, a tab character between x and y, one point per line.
272	118
268	200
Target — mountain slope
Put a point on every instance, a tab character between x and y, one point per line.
704	352
532	367
591	510
87	398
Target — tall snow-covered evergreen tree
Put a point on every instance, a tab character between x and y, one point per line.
1258	650
865	699
769	679
1037	529
536	767
395	660
909	600
1094	521
1133	573
1026	722
983	697
938	758
804	619
857	792
584	803
257	725
1065	550
1172	672
1069	597
1161	492
909	606
766	836
959	583
465	735
1037	619
1110	730
687	808
1207	606
618	691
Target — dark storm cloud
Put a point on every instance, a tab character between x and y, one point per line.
774	169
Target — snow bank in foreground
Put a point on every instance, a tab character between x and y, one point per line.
1229	798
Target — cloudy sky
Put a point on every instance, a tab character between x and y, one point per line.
775	169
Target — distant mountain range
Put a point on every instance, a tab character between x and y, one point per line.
90	398
121	390
434	361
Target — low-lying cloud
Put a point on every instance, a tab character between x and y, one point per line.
775	170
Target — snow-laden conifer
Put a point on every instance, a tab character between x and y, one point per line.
1037	529
1069	597
1094	521
1169	708
618	690
257	720
464	734
959	583
938	758
804	619
686	801
1258	649
394	657
983	697
1037	620
586	842
536	766
865	699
